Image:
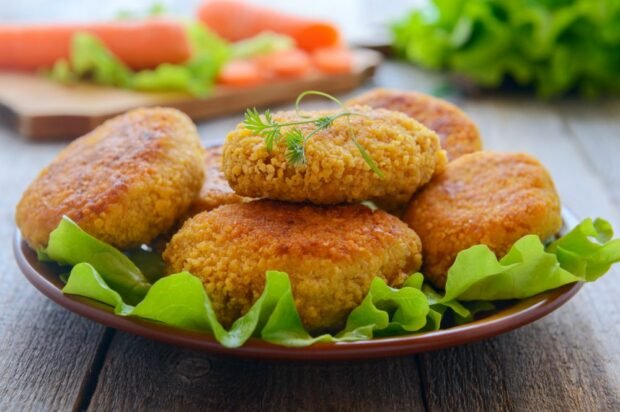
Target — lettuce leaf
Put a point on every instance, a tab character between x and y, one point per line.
70	245
584	254
554	46
196	76
84	280
149	262
386	311
180	300
476	278
91	60
588	251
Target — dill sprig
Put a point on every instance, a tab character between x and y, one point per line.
288	134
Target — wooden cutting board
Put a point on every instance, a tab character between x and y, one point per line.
41	109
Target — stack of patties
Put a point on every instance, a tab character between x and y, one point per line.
307	219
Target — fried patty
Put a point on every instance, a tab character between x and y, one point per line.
330	253
482	198
125	182
406	152
457	132
215	189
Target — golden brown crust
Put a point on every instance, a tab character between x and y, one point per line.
330	253
482	198
406	152
215	189
457	132
125	182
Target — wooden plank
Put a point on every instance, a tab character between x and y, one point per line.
142	375
596	128
47	354
41	109
552	365
570	360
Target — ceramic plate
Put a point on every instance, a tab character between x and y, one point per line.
45	278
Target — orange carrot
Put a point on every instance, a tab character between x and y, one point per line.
333	60
236	20
140	44
240	73
286	63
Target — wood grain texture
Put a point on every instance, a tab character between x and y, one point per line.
141	375
556	364
46	353
596	129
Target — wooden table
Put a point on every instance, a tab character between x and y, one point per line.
51	359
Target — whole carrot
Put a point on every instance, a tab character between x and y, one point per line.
139	44
236	20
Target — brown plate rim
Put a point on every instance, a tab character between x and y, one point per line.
523	312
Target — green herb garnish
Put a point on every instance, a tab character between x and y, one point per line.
286	133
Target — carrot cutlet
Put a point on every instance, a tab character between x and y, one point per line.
457	132
215	189
482	198
331	255
125	182
406	152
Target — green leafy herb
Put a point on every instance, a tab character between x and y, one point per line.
295	141
294	138
554	46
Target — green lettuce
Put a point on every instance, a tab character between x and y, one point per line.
554	46
387	311
475	280
91	60
584	254
70	245
180	300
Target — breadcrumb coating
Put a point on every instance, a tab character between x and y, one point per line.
457	132
405	151
125	182
330	253
215	189
482	198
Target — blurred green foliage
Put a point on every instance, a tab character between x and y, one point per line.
555	46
